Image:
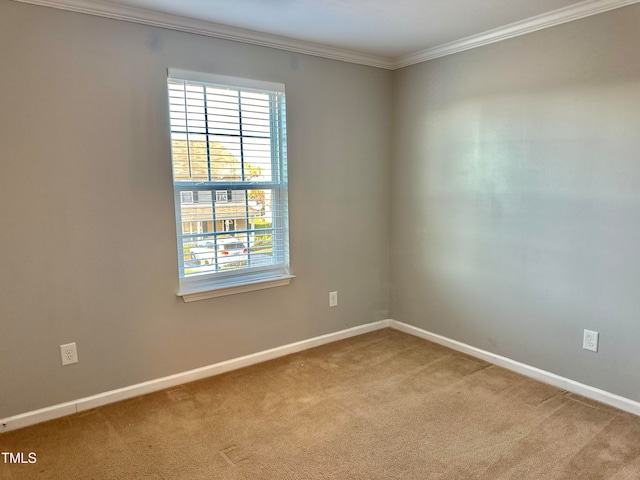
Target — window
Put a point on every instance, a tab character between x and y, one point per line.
223	195
186	197
228	144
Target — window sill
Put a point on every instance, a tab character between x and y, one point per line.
206	292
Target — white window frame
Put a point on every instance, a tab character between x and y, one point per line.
187	197
218	283
223	196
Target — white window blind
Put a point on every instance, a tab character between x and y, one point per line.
228	141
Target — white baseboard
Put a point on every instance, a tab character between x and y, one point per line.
588	391
87	403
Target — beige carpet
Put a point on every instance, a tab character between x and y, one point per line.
384	405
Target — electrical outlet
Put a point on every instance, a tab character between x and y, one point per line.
69	353
590	340
333	299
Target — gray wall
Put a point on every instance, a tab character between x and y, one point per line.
508	177
516	198
87	243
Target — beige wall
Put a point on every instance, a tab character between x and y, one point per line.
516	198
85	184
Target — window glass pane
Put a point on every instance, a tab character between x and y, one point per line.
257	157
248	218
224	113
255	114
190	160
226	159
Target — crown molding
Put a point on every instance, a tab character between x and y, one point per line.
216	30
533	24
210	29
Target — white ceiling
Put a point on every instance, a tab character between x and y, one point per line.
386	28
387	33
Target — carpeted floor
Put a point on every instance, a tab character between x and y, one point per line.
384	405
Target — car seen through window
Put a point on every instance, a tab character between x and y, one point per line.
230	251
